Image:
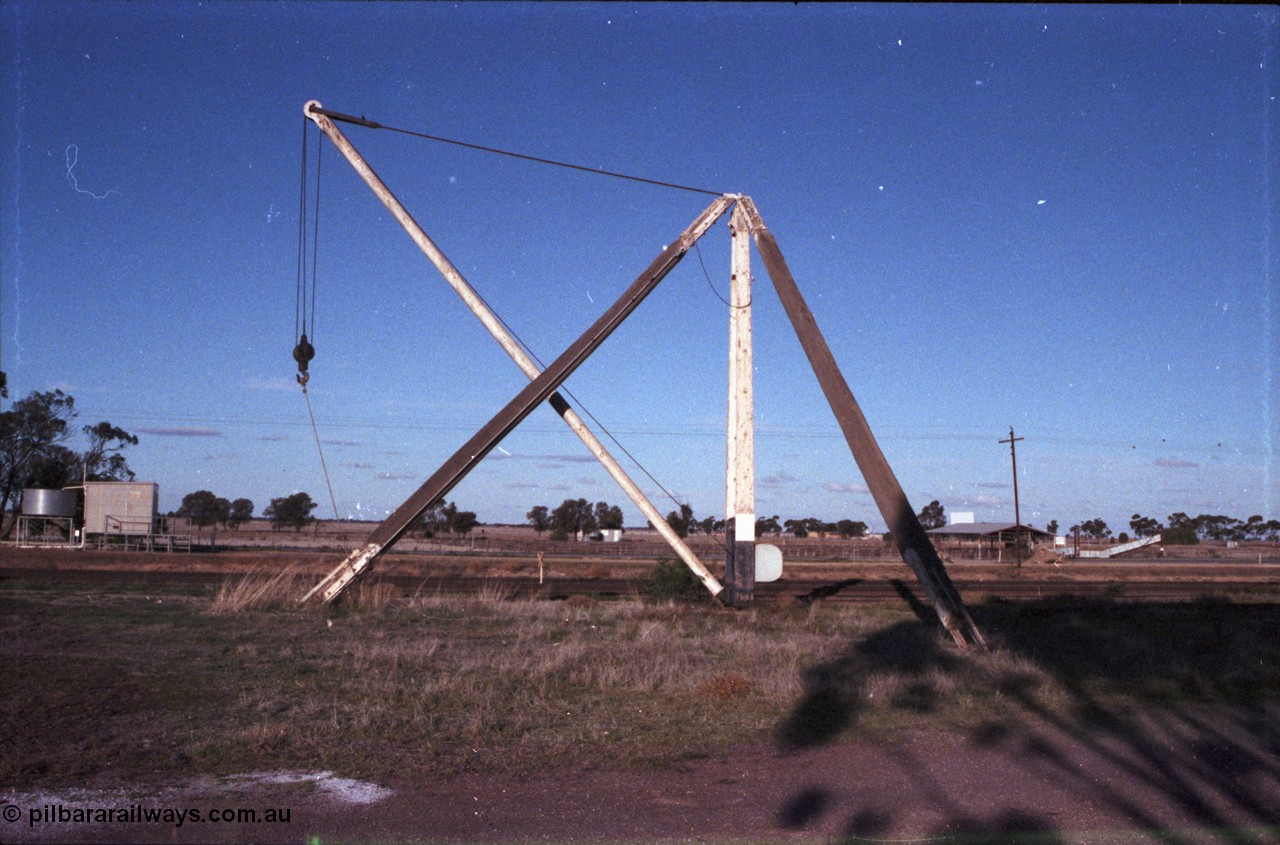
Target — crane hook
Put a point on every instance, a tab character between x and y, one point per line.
303	353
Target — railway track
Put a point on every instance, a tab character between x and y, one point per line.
847	591
854	591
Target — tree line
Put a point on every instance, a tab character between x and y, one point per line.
1181	529
1177	529
205	509
575	518
36	449
581	518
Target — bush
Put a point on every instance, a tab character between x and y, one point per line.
1183	535
671	580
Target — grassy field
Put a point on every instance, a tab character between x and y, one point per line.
132	682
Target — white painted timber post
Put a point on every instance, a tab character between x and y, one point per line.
740	495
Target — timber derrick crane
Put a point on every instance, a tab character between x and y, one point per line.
913	543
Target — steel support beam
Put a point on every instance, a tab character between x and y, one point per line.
536	392
908	534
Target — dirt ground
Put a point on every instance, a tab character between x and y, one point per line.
1080	774
1211	774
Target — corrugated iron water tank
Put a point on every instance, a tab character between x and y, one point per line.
40	502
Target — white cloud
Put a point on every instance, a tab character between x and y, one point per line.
844	487
182	431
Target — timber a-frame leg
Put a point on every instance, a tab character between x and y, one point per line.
539	390
912	541
325	121
908	534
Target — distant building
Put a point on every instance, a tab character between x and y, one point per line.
605	535
984	539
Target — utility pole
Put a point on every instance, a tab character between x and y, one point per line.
1017	514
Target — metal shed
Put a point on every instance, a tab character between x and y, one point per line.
120	507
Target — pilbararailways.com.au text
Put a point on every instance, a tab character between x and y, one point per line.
139	814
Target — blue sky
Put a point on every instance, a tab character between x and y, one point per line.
1058	218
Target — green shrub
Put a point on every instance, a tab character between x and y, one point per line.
671	580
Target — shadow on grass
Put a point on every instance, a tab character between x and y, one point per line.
1152	717
829	590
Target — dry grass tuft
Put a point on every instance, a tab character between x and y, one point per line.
790	602
260	589
494	592
266	736
371	594
731	685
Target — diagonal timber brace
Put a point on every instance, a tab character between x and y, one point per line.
909	535
538	391
913	543
324	120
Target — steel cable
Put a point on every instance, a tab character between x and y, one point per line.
370	124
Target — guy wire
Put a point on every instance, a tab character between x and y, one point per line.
360	121
583	408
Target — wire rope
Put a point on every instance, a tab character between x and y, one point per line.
323	466
301	355
583	408
698	250
361	121
315	242
299	293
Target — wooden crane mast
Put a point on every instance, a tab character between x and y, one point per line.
746	224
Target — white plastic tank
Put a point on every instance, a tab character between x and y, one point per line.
40	502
